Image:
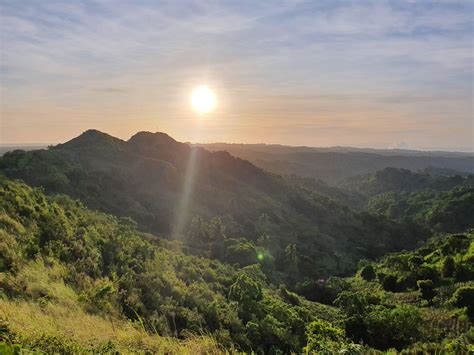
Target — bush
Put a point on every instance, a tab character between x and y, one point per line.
389	282
426	288
464	297
448	267
392	327
368	273
323	337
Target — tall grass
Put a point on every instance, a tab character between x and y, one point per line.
55	328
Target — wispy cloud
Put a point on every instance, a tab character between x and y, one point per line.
355	64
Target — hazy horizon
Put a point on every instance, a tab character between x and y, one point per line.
425	149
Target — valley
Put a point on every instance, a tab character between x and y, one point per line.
275	263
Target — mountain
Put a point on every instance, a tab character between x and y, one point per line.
164	184
337	163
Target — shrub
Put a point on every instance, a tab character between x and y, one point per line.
323	337
464	297
392	327
390	282
426	287
368	273
448	267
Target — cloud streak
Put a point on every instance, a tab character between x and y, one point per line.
67	64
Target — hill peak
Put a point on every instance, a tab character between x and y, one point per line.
150	138
89	138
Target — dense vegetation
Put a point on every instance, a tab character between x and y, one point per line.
224	256
422	297
450	211
403	180
59	259
55	252
439	203
164	184
338	163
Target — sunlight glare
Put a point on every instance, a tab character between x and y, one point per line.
203	99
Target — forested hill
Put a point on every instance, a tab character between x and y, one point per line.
334	164
442	203
74	280
162	183
403	180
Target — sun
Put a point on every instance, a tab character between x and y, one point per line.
203	99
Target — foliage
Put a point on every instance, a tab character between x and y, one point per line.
447	211
411	301
426	288
339	163
404	181
214	280
323	337
464	297
88	264
367	273
145	178
26	326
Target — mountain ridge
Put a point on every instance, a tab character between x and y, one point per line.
333	166
160	182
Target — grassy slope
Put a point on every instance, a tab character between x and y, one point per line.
55	328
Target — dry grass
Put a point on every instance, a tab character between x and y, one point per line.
30	324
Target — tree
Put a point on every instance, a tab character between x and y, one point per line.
448	267
426	288
392	327
368	273
291	258
246	292
464	297
389	282
323	337
240	251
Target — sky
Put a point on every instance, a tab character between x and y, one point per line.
383	74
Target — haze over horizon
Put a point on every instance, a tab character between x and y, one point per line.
398	147
380	74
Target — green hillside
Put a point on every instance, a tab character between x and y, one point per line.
58	256
441	203
445	211
420	300
403	180
164	185
74	280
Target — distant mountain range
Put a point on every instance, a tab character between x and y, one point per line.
337	163
10	147
331	164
